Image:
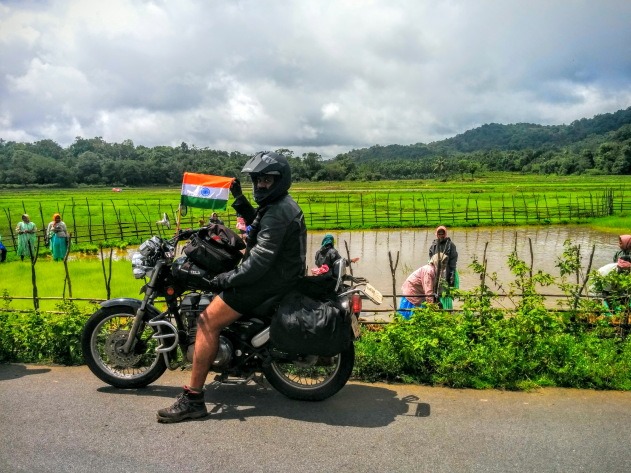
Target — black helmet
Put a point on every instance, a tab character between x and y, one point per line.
270	163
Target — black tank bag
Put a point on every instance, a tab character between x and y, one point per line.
215	248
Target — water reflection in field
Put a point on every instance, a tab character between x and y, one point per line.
412	246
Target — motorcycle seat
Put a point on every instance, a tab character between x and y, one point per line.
268	307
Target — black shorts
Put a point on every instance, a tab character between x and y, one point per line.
244	299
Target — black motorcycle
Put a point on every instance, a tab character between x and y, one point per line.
129	343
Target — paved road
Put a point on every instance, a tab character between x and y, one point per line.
63	419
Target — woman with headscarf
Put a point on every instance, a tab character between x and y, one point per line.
443	244
326	256
420	286
27	237
607	284
3	251
447	271
624	242
57	236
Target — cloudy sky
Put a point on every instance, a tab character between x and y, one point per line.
325	76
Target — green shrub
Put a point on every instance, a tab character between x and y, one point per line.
33	337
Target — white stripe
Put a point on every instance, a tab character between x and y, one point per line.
218	193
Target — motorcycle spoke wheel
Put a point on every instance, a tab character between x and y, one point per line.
111	335
104	336
311	378
312	372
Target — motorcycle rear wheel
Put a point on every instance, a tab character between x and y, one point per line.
315	378
105	332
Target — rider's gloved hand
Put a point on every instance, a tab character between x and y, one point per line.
218	283
235	188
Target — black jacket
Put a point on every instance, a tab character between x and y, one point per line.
446	246
327	255
276	245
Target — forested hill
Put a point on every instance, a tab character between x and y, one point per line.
600	145
584	133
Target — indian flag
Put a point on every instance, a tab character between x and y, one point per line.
205	191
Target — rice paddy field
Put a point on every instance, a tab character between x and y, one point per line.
96	216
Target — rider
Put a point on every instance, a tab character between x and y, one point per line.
274	261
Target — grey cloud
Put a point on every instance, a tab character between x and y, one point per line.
324	76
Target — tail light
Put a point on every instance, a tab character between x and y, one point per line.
356	303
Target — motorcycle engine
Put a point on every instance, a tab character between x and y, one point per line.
192	306
224	354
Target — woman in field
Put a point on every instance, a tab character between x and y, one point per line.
326	257
420	287
27	237
57	236
624	242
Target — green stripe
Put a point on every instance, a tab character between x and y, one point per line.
201	203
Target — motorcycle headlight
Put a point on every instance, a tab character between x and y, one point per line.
150	246
139	272
140	266
137	260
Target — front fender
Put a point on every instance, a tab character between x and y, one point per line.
130	302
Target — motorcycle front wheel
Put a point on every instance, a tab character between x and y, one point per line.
313	378
104	334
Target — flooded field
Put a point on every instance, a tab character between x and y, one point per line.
412	246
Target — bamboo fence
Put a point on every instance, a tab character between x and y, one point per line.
327	212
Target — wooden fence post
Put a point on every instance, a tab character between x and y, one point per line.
87	203
34	255
393	269
466	210
491	208
103	220
361	205
348	209
67	278
74	222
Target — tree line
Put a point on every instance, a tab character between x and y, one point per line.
601	145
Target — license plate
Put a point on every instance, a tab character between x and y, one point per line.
373	294
355	326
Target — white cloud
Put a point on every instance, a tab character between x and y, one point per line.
324	76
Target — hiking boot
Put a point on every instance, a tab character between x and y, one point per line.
188	405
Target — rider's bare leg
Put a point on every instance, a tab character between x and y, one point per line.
216	316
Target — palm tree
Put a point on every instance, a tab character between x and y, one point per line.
439	166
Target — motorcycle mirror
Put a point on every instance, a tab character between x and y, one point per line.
165	221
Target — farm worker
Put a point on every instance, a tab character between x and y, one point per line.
447	271
57	236
326	256
624	241
242	226
607	288
27	237
3	251
443	244
419	287
274	261
214	218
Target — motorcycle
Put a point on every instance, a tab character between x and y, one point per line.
129	343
